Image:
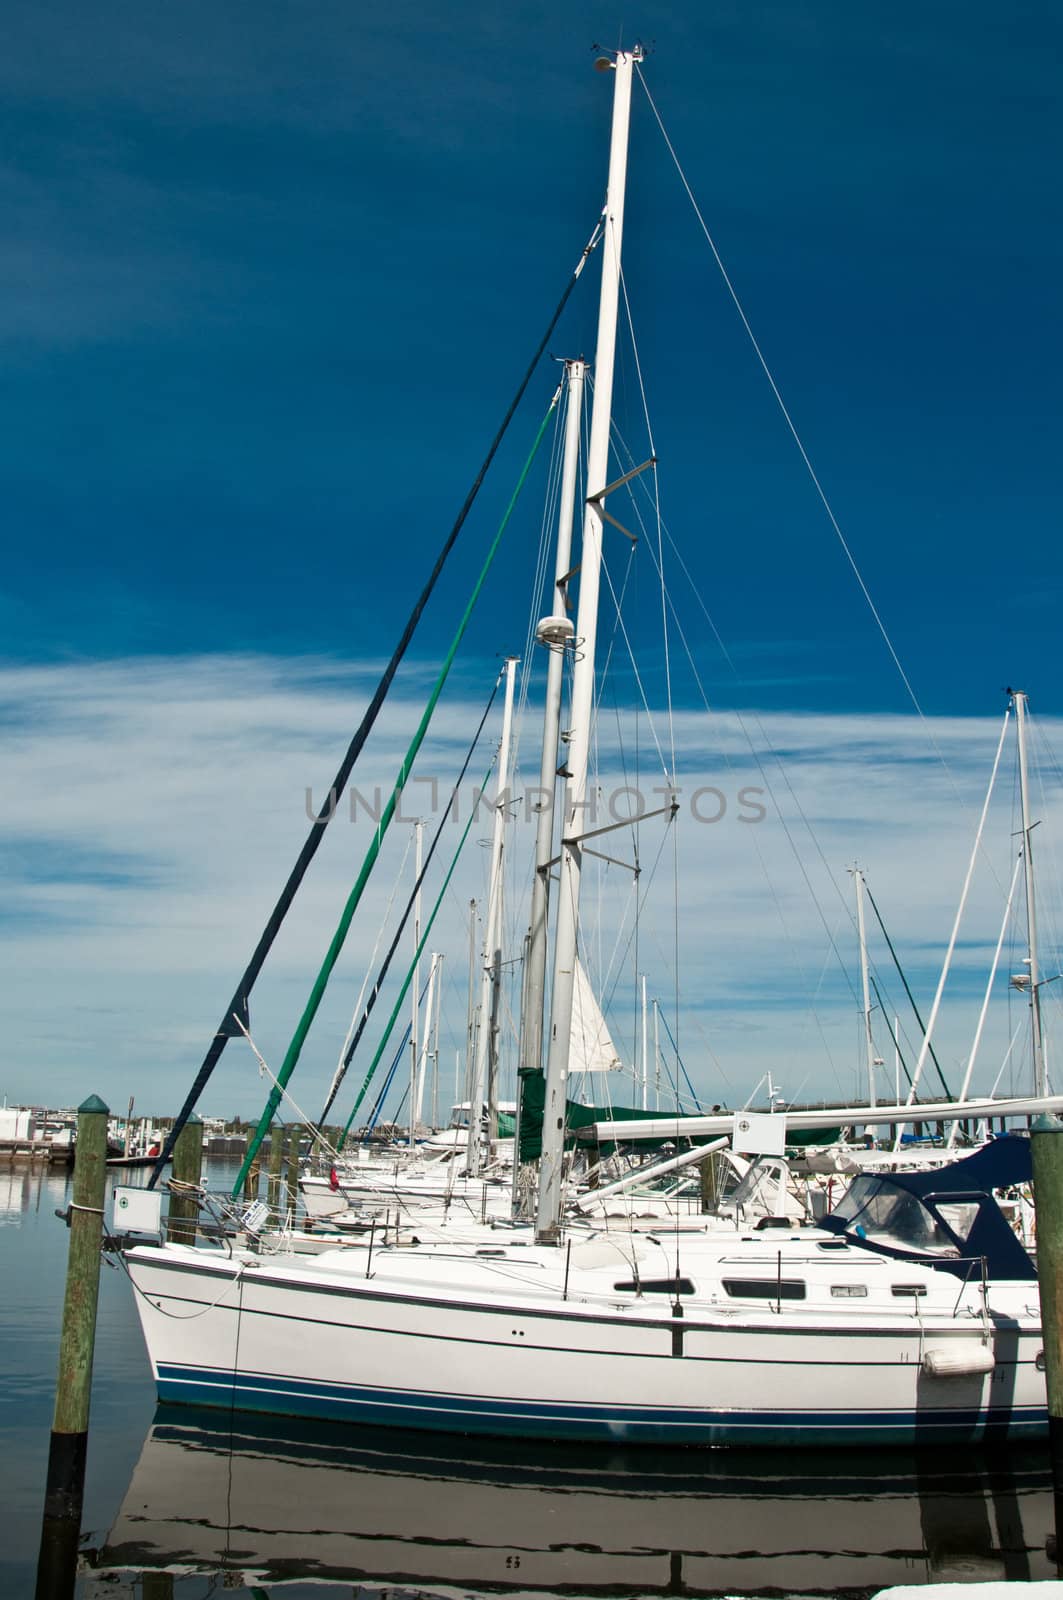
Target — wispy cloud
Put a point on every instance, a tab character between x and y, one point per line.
150	810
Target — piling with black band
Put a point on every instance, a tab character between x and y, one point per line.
68	1449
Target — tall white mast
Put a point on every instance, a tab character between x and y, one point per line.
575	819
1040	1076
470	1028
480	1134
645	1050
426	1041
896	1060
858	879
415	987
555	632
435	1041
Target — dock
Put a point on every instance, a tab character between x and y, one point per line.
26	1152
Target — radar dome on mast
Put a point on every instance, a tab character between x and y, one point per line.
555	632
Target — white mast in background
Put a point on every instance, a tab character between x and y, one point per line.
557	633
415	986
865	983
484	1093
1040	1075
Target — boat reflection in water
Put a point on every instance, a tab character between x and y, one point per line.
280	1502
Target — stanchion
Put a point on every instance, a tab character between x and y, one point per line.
294	1136
276	1164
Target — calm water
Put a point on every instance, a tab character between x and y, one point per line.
230	1501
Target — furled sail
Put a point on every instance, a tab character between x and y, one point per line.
591	1048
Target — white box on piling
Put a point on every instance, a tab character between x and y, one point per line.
137	1210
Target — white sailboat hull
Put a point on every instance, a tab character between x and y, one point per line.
326	1341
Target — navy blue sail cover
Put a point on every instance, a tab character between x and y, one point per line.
947	1217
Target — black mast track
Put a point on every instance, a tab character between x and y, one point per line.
239	1004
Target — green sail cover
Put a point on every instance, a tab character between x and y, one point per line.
533	1102
800	1137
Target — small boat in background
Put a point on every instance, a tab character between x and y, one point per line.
148	1159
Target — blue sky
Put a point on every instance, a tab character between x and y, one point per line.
268	277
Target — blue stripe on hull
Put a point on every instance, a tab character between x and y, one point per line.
299	1397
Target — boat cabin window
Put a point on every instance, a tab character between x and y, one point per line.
848	1291
655	1286
876	1209
960	1215
765	1288
908	1289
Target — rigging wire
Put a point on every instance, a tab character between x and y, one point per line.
679	1060
341	1065
660	547
239	1004
787	418
911	998
791	841
740	719
626	457
332	954
382	1046
896	1042
378	1104
1048	927
356	1032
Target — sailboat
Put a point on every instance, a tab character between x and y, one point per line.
432	1177
909	1323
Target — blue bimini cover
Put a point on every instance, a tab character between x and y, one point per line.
946	1217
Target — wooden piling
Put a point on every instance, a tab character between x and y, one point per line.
251	1182
183	1214
65	1483
712	1176
1046	1148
